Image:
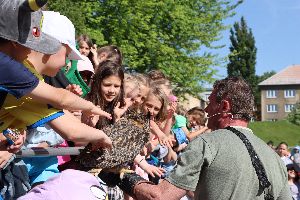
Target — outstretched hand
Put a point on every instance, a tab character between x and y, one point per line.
119	111
96	110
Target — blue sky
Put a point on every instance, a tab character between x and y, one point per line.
276	27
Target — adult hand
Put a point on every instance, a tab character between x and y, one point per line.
146	191
4	158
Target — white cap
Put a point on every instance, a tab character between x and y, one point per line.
62	29
85	65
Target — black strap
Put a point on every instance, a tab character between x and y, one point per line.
264	183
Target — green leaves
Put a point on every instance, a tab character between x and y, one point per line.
166	35
294	115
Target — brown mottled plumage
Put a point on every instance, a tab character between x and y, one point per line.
128	136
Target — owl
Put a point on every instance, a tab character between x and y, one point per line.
128	135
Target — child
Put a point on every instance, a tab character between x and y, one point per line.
42	168
196	123
85	69
26	112
24	82
88	49
107	91
144	85
192	125
293	180
156	105
110	52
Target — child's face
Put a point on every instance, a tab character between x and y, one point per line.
152	105
86	76
110	88
53	63
192	121
84	48
141	96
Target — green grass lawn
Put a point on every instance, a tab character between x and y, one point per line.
280	131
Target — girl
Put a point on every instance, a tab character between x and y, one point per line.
155	104
110	52
144	85
293	180
88	49
107	91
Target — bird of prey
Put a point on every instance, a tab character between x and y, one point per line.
128	135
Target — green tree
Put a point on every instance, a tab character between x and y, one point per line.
294	115
242	57
167	35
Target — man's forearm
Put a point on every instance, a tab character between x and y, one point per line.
164	190
59	98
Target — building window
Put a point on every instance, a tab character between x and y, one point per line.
288	107
271	93
272	108
289	93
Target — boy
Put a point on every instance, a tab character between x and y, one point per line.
29	113
15	79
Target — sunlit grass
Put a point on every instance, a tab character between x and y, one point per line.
280	131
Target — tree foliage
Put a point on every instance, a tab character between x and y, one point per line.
242	57
294	115
167	35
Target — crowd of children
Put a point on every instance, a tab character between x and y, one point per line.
291	159
46	76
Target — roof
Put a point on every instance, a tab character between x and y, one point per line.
288	76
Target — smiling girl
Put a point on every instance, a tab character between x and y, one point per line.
107	90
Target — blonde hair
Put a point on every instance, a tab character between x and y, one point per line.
130	83
160	95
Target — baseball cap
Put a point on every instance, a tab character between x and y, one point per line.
61	28
69	184
294	167
21	22
85	65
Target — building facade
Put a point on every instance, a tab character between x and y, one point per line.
280	93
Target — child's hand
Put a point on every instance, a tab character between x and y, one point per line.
4	158
167	141
76	113
172	109
181	147
95	54
76	89
150	169
43	145
96	110
14	148
104	142
119	111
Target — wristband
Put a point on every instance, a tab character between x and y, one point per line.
129	180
